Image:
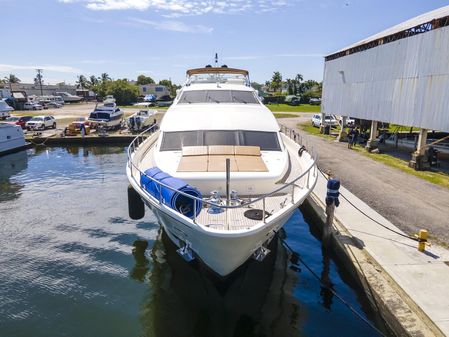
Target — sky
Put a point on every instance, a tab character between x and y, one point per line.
164	38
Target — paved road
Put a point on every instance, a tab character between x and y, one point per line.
407	201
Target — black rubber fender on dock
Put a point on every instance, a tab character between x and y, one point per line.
136	207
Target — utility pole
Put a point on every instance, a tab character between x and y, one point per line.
39	78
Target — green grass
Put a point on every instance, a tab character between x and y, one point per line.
290	108
307	127
437	178
282	115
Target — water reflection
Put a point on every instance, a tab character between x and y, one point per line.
186	301
11	165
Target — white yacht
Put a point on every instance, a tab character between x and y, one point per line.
108	115
11	138
219	175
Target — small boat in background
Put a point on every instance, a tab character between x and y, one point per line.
141	120
12	138
108	115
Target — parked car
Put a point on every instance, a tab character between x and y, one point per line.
18	120
5	109
349	121
52	105
315	101
32	106
328	119
41	123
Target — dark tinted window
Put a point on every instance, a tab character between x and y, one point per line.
99	115
220	138
197	96
174	141
218	96
267	141
243	97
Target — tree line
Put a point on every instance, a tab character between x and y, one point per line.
290	86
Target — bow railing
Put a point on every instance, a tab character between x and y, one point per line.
146	135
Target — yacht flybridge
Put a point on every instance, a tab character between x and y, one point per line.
219	174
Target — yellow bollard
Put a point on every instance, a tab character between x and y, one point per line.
422	239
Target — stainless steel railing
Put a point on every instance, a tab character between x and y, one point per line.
144	135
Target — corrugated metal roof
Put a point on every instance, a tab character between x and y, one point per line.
416	21
404	82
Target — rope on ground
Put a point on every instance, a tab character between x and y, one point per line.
369	217
296	255
39	144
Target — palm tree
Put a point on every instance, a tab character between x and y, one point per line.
105	78
276	81
93	80
11	79
297	83
82	81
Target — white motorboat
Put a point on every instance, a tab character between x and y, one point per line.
219	175
109	99
5	109
69	98
142	119
12	138
108	115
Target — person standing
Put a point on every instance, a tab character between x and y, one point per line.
350	137
355	136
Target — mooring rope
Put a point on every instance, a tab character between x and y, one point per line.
296	256
368	216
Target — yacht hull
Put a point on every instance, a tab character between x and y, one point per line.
221	254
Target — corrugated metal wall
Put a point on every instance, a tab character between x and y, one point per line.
405	82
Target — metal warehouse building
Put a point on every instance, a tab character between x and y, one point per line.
399	76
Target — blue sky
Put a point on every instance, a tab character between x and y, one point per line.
162	38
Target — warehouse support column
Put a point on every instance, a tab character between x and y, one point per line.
372	142
342	135
419	159
322	125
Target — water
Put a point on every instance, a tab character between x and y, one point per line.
67	267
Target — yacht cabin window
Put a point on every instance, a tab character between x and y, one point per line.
174	141
218	96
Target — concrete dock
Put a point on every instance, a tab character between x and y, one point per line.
409	289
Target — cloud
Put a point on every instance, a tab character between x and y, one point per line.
177	8
176	26
59	69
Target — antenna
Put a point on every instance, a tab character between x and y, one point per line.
216	59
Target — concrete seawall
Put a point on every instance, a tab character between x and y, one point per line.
405	312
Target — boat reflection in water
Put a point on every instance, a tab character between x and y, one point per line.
11	165
186	301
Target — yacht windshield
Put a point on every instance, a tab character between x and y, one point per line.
218	96
174	141
100	115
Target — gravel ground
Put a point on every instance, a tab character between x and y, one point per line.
407	201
